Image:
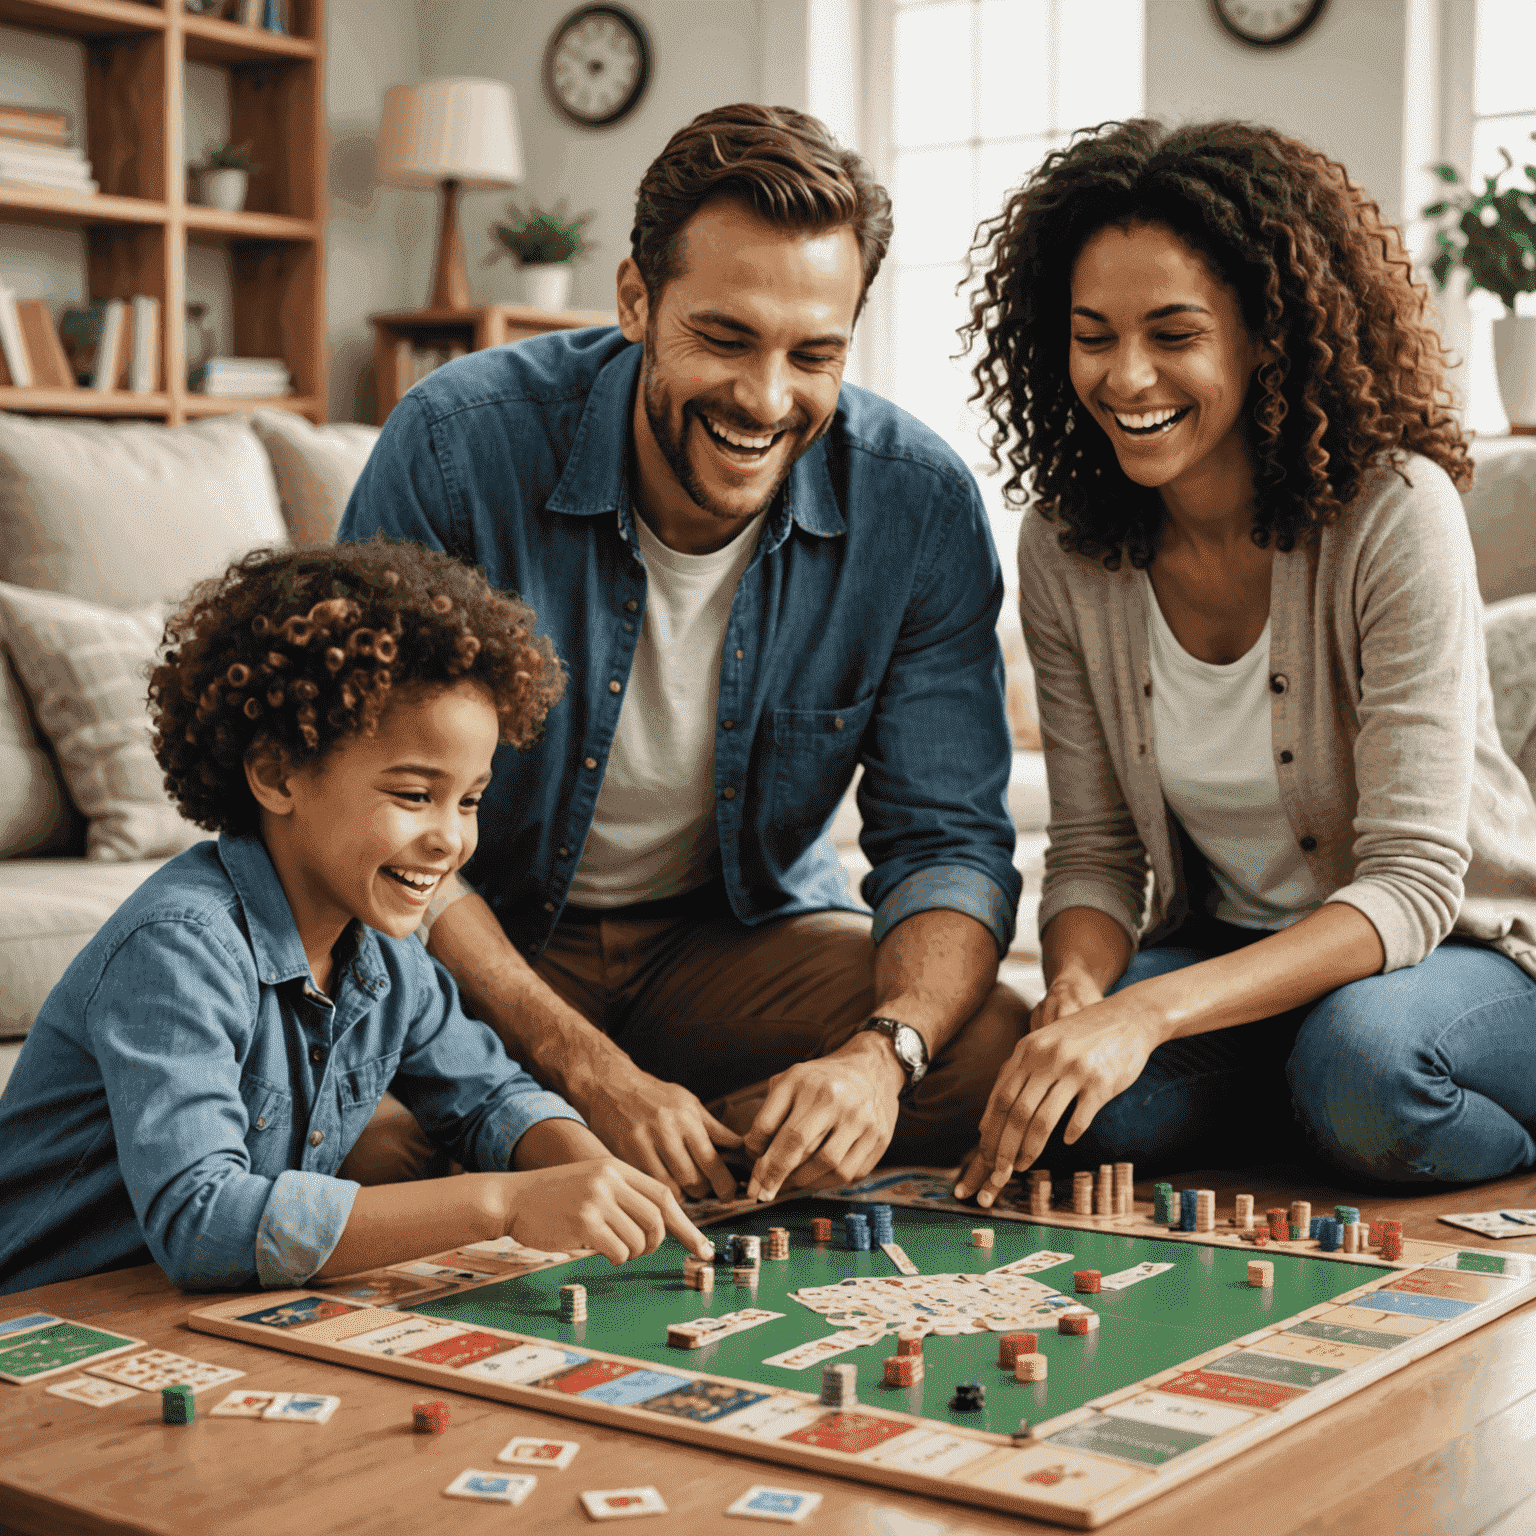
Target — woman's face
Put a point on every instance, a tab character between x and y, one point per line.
1160	356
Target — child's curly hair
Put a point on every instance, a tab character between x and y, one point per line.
1322	279
300	649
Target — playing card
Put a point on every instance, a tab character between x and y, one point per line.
1495	1223
788	1505
440	1273
898	1256
530	1450
1122	1278
621	1503
96	1394
803	1356
242	1405
493	1487
300	1408
1028	1265
157	1368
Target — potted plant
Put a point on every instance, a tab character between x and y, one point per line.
544	244
224	177
1492	235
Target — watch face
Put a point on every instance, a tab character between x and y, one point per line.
597	65
1267	23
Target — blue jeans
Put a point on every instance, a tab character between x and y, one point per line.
1423	1075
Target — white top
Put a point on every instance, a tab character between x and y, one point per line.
653	830
1215	756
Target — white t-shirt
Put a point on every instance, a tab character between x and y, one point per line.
653	829
1215	755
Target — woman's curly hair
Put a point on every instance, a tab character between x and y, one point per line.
1357	370
301	649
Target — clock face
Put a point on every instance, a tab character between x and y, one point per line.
1267	23
597	65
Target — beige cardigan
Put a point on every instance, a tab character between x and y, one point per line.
1390	767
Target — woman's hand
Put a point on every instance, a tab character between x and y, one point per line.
1080	1046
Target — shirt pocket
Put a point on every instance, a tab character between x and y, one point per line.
360	1089
814	754
268	1124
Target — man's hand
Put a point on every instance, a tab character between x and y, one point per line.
1070	993
661	1129
1090	1055
827	1119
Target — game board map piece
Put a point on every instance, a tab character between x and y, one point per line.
787	1505
93	1393
300	1408
242	1405
157	1368
531	1450
1508	1223
623	1503
52	1346
491	1487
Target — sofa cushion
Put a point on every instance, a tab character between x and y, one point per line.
125	514
316	468
49	909
1510	630
35	815
84	669
1501	515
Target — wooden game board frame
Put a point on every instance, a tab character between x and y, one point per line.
1139	1484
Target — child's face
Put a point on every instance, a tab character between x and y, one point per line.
382	818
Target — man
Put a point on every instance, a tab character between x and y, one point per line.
758	580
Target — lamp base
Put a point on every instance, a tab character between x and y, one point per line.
450	285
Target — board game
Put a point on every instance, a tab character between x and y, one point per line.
1186	1364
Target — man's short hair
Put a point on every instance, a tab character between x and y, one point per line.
783	164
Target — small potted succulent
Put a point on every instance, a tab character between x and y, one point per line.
1491	235
224	177
544	243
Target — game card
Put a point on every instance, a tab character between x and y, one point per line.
773	1418
1126	1277
297	1314
386	1289
803	1356
242	1405
530	1450
54	1347
300	1408
705	1402
788	1505
157	1368
95	1394
705	1330
621	1503
1030	1264
525	1362
931	1451
493	1487
406	1335
898	1256
1517	1223
27	1321
848	1432
443	1275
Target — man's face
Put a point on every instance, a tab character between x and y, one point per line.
744	357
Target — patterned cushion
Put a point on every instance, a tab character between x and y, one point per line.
84	669
316	468
130	513
35	815
1510	630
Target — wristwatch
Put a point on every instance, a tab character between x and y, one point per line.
910	1047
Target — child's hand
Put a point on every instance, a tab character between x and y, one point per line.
603	1204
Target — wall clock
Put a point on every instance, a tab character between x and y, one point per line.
597	65
1267	23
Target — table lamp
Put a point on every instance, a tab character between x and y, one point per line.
462	134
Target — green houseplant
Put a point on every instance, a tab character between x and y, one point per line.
224	176
1491	235
544	243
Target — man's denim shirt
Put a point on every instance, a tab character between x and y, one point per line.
187	1095
863	631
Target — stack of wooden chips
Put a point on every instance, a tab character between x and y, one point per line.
1104	1192
745	1274
909	1341
1301	1218
821	1229
1278	1223
429	1418
1087	1282
1076	1321
778	1242
1040	1192
1011	1345
1162	1204
1205	1210
1391	1239
1030	1367
698	1276
1125	1188
903	1370
1261	1274
839	1385
1243	1207
981	1237
573	1303
1082	1194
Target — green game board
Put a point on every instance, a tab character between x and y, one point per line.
1203	1302
56	1347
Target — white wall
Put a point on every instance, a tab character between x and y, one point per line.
706	54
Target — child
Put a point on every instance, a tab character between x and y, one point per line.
194	1081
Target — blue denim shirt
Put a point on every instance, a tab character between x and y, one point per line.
187	1095
863	631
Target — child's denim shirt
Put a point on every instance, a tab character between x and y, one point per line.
185	1087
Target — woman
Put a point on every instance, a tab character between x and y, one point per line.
1250	599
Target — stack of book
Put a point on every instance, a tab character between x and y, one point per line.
35	151
114	343
241	377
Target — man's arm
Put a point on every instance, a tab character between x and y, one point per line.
932	971
660	1128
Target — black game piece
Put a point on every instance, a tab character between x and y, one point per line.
970	1397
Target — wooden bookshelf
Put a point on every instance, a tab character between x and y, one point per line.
137	229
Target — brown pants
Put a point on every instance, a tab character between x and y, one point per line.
720	1008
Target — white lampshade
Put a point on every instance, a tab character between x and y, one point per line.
451	130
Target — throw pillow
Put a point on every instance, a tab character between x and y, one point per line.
128	513
1509	628
85	671
34	815
316	468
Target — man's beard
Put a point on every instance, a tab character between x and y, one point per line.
674	449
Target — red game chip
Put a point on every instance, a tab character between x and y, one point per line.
903	1370
1086	1281
909	1342
429	1418
1011	1345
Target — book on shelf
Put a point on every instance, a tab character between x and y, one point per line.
34	124
113	349
114	343
237	377
58	166
144	365
45	352
80	331
13	350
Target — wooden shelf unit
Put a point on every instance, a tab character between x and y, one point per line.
137	229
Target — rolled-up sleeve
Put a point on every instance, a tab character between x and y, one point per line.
172	1076
938	752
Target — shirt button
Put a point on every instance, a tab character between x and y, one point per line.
591	762
615	686
316	1055
261	1122
565	853
549	906
316	1137
727	725
837	724
1308	844
1285	757
631	606
1146	688
1277	683
740	654
730	794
